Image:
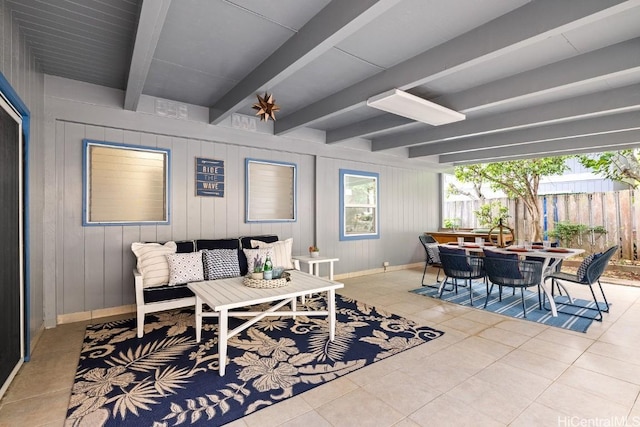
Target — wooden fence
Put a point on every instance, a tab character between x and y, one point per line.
617	211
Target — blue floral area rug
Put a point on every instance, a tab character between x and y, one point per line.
166	378
511	305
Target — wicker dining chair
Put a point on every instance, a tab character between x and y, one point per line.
432	255
588	274
512	273
457	265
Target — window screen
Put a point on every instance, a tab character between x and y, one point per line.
271	190
125	184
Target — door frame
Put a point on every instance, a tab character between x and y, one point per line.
12	97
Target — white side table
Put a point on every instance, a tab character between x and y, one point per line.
314	264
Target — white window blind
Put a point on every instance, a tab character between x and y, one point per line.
270	191
125	184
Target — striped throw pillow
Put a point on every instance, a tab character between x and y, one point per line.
152	262
280	252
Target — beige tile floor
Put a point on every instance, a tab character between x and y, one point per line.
486	370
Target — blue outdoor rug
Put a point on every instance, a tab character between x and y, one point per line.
511	305
166	378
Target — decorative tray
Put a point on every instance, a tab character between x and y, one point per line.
268	284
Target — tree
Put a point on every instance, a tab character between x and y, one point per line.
518	179
622	166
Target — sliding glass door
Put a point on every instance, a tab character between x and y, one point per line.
11	250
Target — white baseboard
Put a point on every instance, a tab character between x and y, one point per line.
95	314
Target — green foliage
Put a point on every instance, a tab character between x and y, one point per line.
490	214
622	166
518	179
452	223
566	231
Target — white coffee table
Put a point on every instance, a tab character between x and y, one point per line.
225	295
314	263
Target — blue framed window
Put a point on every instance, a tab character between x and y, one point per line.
359	205
124	184
270	191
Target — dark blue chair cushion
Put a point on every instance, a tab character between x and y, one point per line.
185	246
166	293
511	270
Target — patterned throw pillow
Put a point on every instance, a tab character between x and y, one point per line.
255	255
152	262
434	253
220	263
185	268
280	254
582	269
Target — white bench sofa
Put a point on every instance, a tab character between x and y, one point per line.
166	297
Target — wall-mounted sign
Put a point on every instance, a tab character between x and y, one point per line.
209	177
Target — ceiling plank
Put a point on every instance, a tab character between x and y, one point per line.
588	67
598	125
605	102
586	144
334	23
152	17
524	26
364	127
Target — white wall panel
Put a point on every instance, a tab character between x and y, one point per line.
408	195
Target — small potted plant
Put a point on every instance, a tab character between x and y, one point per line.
257	268
314	252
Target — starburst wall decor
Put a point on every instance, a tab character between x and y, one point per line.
266	107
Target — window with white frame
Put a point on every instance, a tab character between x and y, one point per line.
359	205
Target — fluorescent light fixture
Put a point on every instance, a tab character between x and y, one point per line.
413	107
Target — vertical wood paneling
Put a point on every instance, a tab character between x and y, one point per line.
73	270
408	203
94	249
164	232
59	240
179	188
129	235
148	233
207	207
114	251
193	203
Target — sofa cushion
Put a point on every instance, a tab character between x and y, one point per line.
166	293
217	244
152	262
185	268
281	252
185	246
220	263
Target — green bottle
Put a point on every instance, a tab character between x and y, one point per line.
268	269
268	265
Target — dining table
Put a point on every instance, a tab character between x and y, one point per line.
551	256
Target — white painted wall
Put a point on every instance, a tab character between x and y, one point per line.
92	265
